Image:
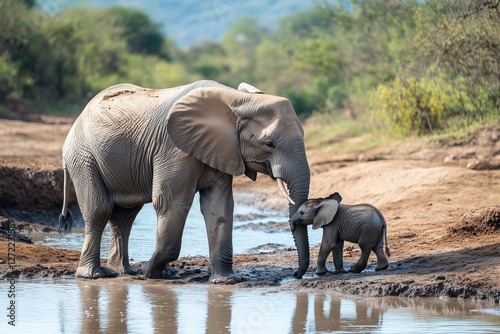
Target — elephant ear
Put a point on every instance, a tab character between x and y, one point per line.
336	196
202	124
244	87
324	213
247	88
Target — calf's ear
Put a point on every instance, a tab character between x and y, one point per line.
336	196
324	213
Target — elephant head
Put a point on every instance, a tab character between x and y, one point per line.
244	132
318	211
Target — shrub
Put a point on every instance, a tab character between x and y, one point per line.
417	106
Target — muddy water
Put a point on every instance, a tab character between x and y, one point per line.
109	306
254	231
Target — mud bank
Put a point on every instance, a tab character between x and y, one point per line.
34	195
272	270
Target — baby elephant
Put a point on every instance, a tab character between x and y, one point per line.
362	224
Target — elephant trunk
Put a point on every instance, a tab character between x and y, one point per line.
298	188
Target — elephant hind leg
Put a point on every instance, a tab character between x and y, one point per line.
362	262
382	262
96	206
90	259
120	224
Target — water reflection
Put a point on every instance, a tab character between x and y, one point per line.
164	305
118	306
219	311
328	316
91	297
215	309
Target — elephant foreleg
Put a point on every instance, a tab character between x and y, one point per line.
217	208
328	243
338	257
168	239
120	224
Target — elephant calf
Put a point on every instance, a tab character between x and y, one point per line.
362	224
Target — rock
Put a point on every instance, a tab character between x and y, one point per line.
482	164
479	221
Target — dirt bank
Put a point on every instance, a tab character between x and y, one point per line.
442	207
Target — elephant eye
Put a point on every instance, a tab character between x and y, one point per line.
301	213
269	144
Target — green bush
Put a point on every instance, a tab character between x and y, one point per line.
418	106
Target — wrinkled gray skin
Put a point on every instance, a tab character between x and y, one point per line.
133	145
362	224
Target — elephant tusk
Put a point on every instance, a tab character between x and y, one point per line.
283	190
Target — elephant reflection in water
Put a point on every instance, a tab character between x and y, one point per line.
164	308
219	311
91	302
163	300
164	303
366	316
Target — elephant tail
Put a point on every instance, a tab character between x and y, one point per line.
65	218
387	251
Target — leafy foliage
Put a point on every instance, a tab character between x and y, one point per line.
463	37
415	106
141	35
78	52
409	66
454	78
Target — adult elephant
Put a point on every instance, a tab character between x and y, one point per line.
133	145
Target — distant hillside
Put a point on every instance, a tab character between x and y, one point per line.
190	22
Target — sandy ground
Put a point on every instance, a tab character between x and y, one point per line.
442	207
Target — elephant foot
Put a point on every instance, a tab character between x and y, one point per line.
154	272
124	269
356	269
321	271
130	270
94	272
170	273
298	273
224	279
379	268
158	272
340	271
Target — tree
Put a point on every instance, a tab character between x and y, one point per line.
142	35
463	38
453	77
18	26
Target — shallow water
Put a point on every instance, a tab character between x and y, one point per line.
194	238
110	306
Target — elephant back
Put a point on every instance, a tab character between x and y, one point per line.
128	102
354	221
